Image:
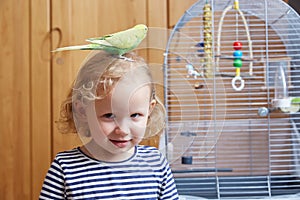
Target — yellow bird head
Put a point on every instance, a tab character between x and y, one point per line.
141	30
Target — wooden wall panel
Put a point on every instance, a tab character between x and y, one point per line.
15	135
176	9
40	93
155	45
69	22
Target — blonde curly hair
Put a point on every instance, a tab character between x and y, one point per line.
96	78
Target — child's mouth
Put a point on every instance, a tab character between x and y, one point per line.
120	143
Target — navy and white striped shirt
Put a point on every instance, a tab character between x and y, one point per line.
74	175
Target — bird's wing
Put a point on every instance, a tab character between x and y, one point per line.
123	39
100	40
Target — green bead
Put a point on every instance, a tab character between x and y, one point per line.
237	63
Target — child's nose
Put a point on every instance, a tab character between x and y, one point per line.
122	127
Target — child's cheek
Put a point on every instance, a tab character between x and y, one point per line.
107	127
139	129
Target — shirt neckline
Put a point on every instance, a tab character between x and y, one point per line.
101	161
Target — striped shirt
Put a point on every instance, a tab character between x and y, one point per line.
74	175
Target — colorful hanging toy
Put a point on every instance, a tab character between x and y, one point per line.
208	52
237	63
237	55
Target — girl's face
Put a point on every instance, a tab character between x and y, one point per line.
121	118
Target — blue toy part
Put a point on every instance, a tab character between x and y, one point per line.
237	54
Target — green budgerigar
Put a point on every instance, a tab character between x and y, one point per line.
117	43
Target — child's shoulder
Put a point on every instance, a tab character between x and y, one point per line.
68	154
71	151
151	155
148	150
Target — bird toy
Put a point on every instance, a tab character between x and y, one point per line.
116	43
207	22
237	55
191	71
237	63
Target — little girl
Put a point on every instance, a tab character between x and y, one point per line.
112	106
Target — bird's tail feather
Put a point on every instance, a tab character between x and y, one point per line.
78	47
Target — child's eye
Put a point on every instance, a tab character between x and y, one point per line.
108	116
135	115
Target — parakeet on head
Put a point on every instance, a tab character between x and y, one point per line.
117	43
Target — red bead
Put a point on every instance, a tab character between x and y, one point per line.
237	45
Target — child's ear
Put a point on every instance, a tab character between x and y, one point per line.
79	110
152	105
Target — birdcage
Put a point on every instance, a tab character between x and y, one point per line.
232	88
